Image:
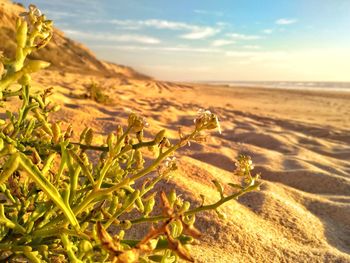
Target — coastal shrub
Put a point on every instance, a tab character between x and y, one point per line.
96	93
60	203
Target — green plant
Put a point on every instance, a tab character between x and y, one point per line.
95	92
57	204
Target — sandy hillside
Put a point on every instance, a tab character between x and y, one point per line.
299	141
61	51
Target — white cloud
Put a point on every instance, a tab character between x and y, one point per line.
222	42
285	21
222	24
126	24
190	49
267	31
160	48
259	55
194	31
206	12
133	38
201	33
155	23
232	38
242	36
58	15
165	24
171	68
252	47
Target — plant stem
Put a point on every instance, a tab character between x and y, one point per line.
198	209
82	146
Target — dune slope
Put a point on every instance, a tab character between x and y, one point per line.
63	53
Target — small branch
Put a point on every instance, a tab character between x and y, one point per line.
198	209
82	146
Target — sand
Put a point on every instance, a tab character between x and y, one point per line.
298	140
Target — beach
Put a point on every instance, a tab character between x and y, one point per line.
298	140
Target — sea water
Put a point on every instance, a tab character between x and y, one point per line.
298	85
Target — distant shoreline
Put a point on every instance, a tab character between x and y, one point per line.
284	85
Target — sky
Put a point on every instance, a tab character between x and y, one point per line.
213	40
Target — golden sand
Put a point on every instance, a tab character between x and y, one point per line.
298	140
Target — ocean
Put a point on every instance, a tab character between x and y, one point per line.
298	85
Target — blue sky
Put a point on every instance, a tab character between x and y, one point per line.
296	40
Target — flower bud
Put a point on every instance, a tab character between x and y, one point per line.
176	229
119	131
89	136
126	224
189	220
29	249
35	157
49	23
219	187
166	143
43	248
159	137
69	132
221	215
83	134
127	148
139	159
185	206
139	136
172	197
35	65
132	118
121	193
114	204
56	108
136	123
8	129
121	234
151	149
110	141
56	131
2	69
22	29
85	159
84	226
11	149
85	246
149	206
129	256
140	205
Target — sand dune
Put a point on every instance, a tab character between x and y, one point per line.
61	51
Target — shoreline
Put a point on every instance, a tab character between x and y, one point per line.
344	91
288	85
